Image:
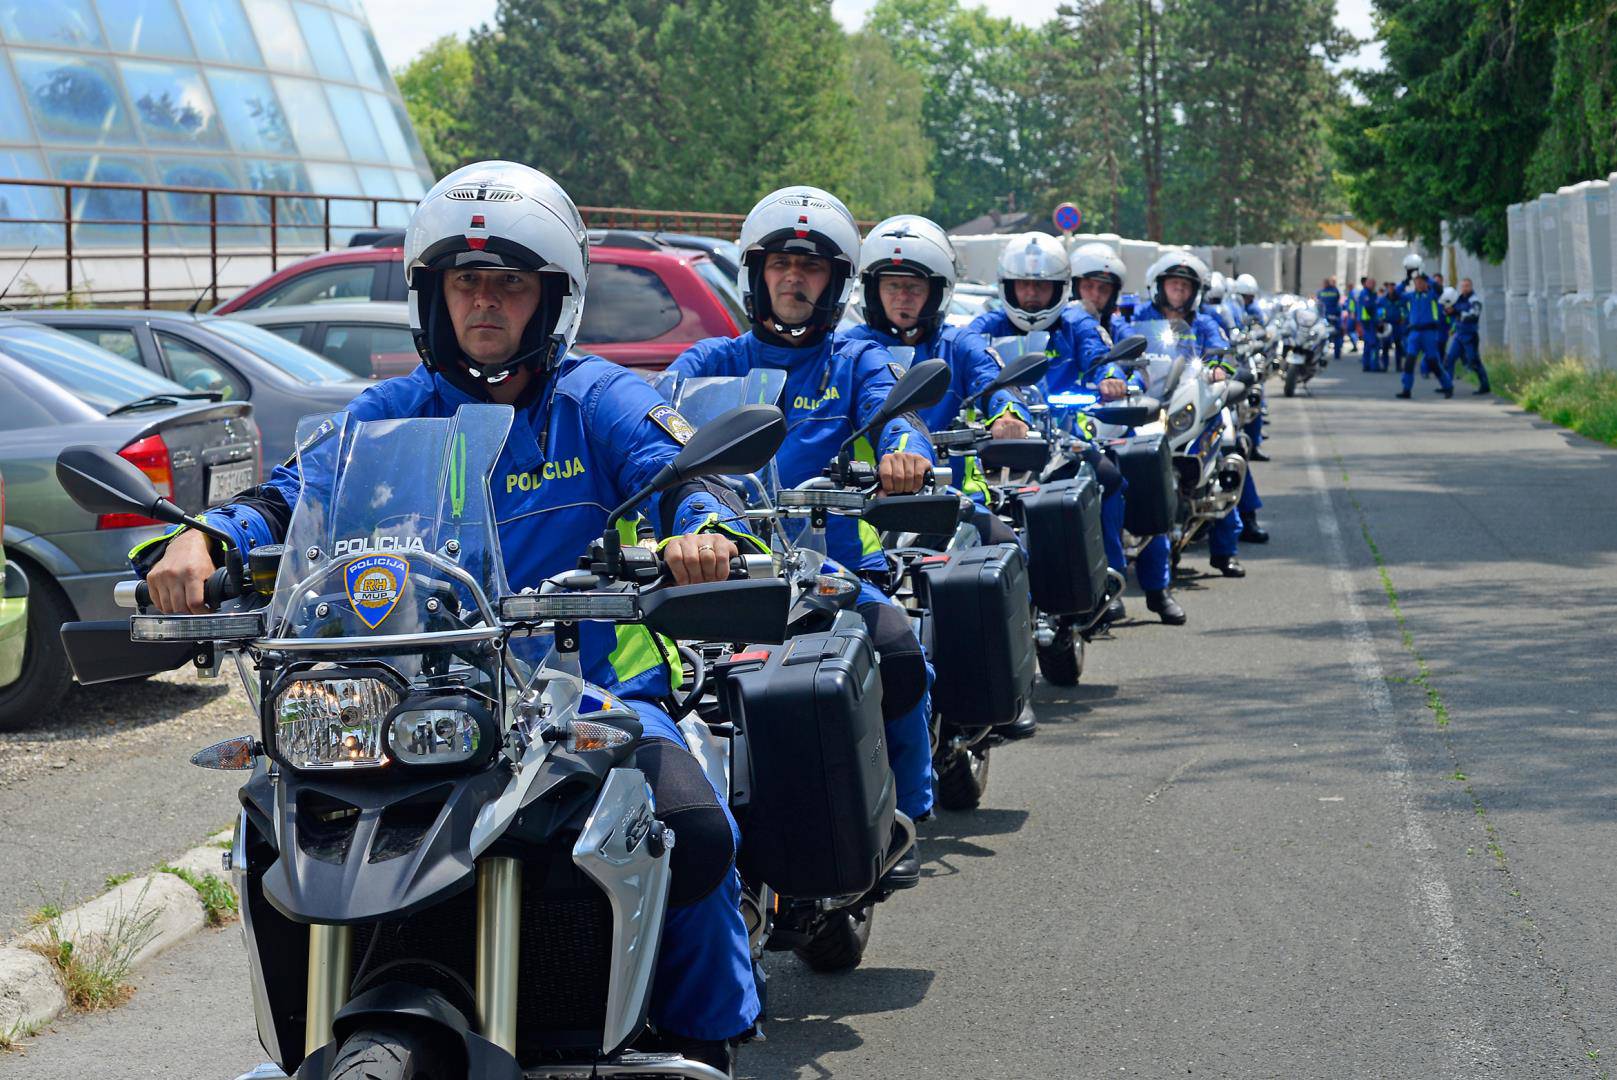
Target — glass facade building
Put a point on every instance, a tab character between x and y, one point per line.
264	95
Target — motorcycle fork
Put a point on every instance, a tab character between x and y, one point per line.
499	919
330	948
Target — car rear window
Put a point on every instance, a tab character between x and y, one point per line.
101	379
372	351
291	358
28	401
724	288
626	303
326	285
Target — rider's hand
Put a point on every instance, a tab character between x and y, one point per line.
176	582
1219	375
1112	389
902	473
1008	426
699	557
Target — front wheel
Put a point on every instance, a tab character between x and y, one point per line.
963	780
839	942
1291	381
391	1054
1062	661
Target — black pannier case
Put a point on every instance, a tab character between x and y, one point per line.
820	800
982	631
1153	493
1066	553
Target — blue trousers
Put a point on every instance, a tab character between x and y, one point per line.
1422	346
1250	503
1254	430
1463	350
1152	566
909	737
703	988
1225	536
1336	338
1369	348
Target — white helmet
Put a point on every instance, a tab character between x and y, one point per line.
912	245
1034	257
808	221
1097	260
1247	286
1215	288
496	214
1177	264
1413	263
1450	294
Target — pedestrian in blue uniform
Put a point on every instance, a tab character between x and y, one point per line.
1422	337
800	255
907	270
497	266
1366	319
1464	348
1330	305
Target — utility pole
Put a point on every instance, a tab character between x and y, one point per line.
1237	221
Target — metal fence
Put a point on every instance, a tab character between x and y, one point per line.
92	242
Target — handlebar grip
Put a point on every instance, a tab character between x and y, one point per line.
131	594
219	588
752	566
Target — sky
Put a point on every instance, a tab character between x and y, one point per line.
405	27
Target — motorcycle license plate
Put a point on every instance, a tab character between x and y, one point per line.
227	480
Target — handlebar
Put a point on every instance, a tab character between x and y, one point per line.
137	595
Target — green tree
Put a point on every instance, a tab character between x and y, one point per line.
1251	92
891	151
436	86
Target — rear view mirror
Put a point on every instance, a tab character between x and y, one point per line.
1129	348
104	483
1135	415
742	440
923	385
1175	373
1025	370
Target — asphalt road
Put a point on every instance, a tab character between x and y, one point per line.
1310	834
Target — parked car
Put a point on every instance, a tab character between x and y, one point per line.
646	305
726	254
368	340
57	390
13	606
237	361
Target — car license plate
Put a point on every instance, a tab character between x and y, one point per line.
227	480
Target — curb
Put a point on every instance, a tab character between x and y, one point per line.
31	994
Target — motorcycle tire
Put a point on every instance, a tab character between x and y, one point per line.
391	1054
963	780
1291	382
839	943
1062	661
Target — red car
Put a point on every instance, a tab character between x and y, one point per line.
646	304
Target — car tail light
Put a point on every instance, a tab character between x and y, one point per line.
150	456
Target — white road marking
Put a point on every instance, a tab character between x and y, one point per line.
1432	898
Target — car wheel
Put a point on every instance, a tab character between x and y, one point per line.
46	675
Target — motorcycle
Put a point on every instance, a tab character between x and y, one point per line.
1306	335
447	863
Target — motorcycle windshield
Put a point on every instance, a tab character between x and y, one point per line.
394	531
1166	341
700	400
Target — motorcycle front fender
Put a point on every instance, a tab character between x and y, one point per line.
395	1005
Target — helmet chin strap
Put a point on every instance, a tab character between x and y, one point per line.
792	331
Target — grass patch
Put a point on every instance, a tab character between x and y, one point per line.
1564	392
218	898
115	880
94	974
45	913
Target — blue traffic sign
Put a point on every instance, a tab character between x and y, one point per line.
1067	217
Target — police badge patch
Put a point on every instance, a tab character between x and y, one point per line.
374	584
667	417
896	369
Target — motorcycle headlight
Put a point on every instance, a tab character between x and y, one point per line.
1180	421
454	729
333	719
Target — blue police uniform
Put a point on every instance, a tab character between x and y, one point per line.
1464	343
1224	537
972	366
1421	338
1330	304
585	444
832	389
1364	314
1398	316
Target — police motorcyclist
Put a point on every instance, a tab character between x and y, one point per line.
1465	308
1175	281
1034	284
1092	326
1364	321
1423	317
497	267
1246	287
800	254
907	270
